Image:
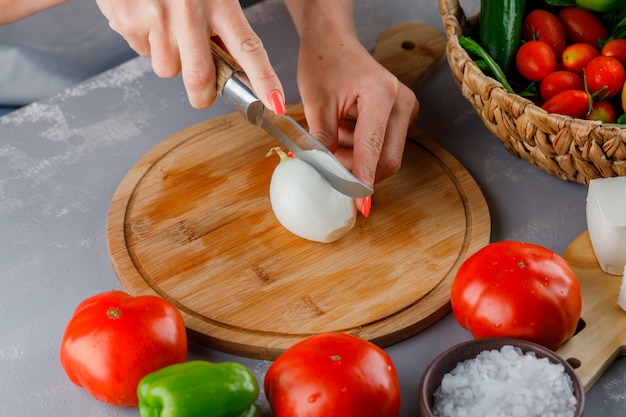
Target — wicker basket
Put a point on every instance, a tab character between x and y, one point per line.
570	149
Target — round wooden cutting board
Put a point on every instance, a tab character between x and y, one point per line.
192	223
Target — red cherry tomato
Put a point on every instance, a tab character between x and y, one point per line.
333	374
542	25
535	60
573	103
515	289
615	48
602	111
559	81
113	340
605	73
577	55
582	26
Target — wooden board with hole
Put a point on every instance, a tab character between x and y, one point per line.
192	223
603	338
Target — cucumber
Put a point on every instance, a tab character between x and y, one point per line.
500	30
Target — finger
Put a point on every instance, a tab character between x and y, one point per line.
121	21
196	60
248	50
322	116
164	52
370	133
403	115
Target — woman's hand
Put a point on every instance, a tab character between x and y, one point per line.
353	105
176	35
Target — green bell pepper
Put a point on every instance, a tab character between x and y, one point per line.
199	389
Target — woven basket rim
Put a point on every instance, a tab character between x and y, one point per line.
568	148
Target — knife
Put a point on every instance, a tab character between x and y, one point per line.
232	86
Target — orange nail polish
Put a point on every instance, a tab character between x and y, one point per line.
364	205
278	102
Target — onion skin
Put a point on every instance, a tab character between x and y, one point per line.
305	203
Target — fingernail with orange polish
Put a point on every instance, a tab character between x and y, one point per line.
364	205
278	102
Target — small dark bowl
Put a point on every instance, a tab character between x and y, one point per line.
446	361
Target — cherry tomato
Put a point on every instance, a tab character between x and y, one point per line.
516	289
582	26
576	56
333	374
615	48
602	111
559	81
607	74
573	103
535	60
113	340
542	25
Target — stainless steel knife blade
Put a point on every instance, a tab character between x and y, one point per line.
288	132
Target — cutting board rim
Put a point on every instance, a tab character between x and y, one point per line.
405	325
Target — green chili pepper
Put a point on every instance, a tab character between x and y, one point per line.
472	47
199	389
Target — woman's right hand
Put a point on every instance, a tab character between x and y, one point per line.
176	35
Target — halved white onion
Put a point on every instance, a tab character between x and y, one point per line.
306	204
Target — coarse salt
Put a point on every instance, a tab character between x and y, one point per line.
505	383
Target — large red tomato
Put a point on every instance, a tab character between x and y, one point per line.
113	340
515	289
333	375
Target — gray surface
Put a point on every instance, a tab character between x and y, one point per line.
61	160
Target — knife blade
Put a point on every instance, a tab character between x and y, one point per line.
232	85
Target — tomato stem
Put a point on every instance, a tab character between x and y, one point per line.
114	313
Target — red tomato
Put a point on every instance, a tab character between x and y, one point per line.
602	111
616	48
333	374
515	289
535	60
582	26
542	25
573	103
607	74
577	55
113	340
559	81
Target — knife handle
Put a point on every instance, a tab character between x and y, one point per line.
225	65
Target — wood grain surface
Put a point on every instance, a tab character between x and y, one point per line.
192	222
594	348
